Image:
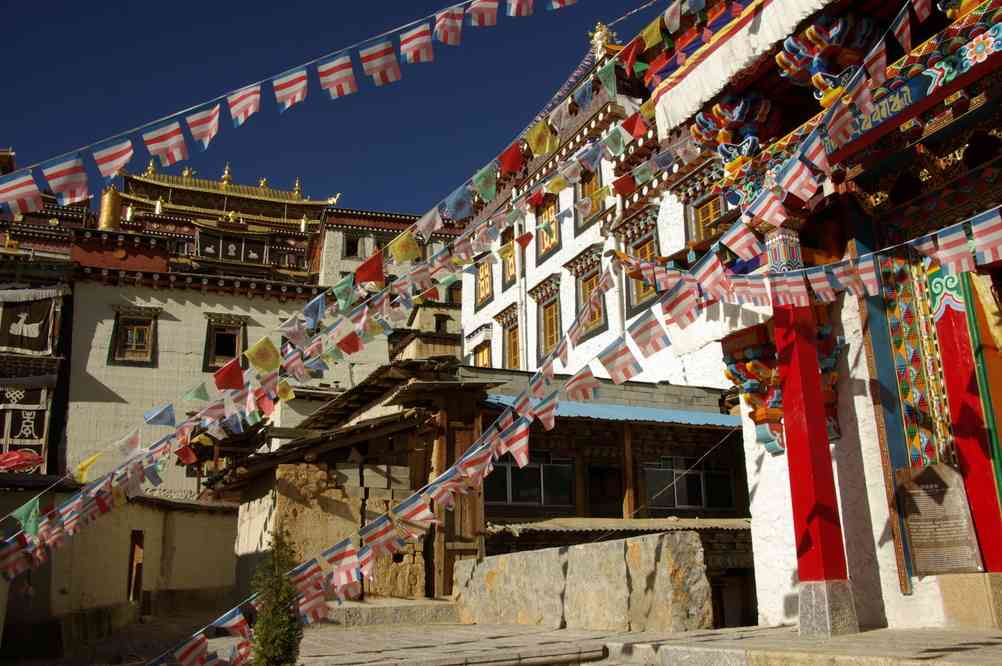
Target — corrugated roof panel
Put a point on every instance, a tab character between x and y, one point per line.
620	525
605	411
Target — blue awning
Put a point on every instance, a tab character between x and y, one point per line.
604	411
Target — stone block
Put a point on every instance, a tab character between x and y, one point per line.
381	494
374	476
398	477
597	596
827	609
972	600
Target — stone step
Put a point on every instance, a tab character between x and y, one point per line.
377	610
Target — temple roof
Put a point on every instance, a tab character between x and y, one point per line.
224	186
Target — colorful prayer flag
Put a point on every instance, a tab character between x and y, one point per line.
515	440
789	288
710	275
813	152
876	63
314	310
415	45
546	410
230	376
381	536
869	273
449	25
648	334
380	62
768	208
922	9
796	179
541	139
902	29
413	516
553	5
80	473
28	516
198	392
954	252
264	355
679	303
204	125
673	16
511	159
234	622
194	650
306	576
987	231
483	13
403	248
844	276
817	278
485	182
167	143
582	386
312	606
284	391
742	241
459	204
67	178
244	104
619	361
635	125
520	7
290	89
337	76
160	415
113	157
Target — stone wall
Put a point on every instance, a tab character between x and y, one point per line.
649	583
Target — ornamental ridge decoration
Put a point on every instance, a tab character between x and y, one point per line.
546	289
508	317
586	260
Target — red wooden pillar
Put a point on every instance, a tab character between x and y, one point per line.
818	531
970	436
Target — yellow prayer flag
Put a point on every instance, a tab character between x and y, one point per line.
557	184
647	109
403	248
264	355
80	474
540	139
598	199
652	33
285	391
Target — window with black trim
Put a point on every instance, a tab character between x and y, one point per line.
549	325
544	481
682	483
512	348
509	267
547	228
702	215
134	339
482	354
597	321
591	182
455	293
225	340
484	287
352	249
640	292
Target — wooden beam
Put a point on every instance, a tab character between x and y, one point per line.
277	432
629	487
438	465
580	484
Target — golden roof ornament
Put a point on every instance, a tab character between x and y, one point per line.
231	217
334	199
601	37
151	168
263	183
227	177
297	188
188	172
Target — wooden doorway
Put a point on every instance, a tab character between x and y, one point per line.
135	585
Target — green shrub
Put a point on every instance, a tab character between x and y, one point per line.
277	632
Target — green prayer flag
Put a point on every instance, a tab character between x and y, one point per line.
486	182
197	393
607	75
643	173
27	515
342	291
253	418
613	142
448	279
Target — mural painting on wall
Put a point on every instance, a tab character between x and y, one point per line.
26	326
24	413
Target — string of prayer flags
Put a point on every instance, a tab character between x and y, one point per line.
648	334
876	63
546	410
652	33
230	376
129	445
314	311
553	5
902	29
413	516
511	159
986	228
402	248
520	7
796	179
80	473
679	303
449	25
582	386
768	208
812	151
293	330
337	76
459	204
264	355
67	179
789	289
584	95
381	536
163	415
485	182
429	223
515	440
244	104
306	575
845	278
112	158
742	241
204	125
343	289
415	45
869	273
28	516
817	278
312	606
194	651
483	13
625	185
619	361
541	139
234	623
290	89
167	143
635	125
673	16
954	253
379	61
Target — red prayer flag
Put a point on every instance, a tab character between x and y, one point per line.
625	185
371	270
535	199
350	343
230	376
524	239
628	56
636	126
511	159
186	455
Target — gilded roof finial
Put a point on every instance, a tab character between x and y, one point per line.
188	172
231	216
334	199
262	183
601	37
151	168
227	176
297	188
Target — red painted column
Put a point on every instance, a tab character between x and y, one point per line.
818	531
970	436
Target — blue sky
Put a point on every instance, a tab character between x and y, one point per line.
88	71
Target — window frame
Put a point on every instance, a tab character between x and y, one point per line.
507	464
697	232
635	306
117	333
541	307
583	224
510	333
358	247
508	238
541	210
484	346
602	324
208	355
481	300
678	465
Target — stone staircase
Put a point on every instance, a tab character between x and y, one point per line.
382	610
